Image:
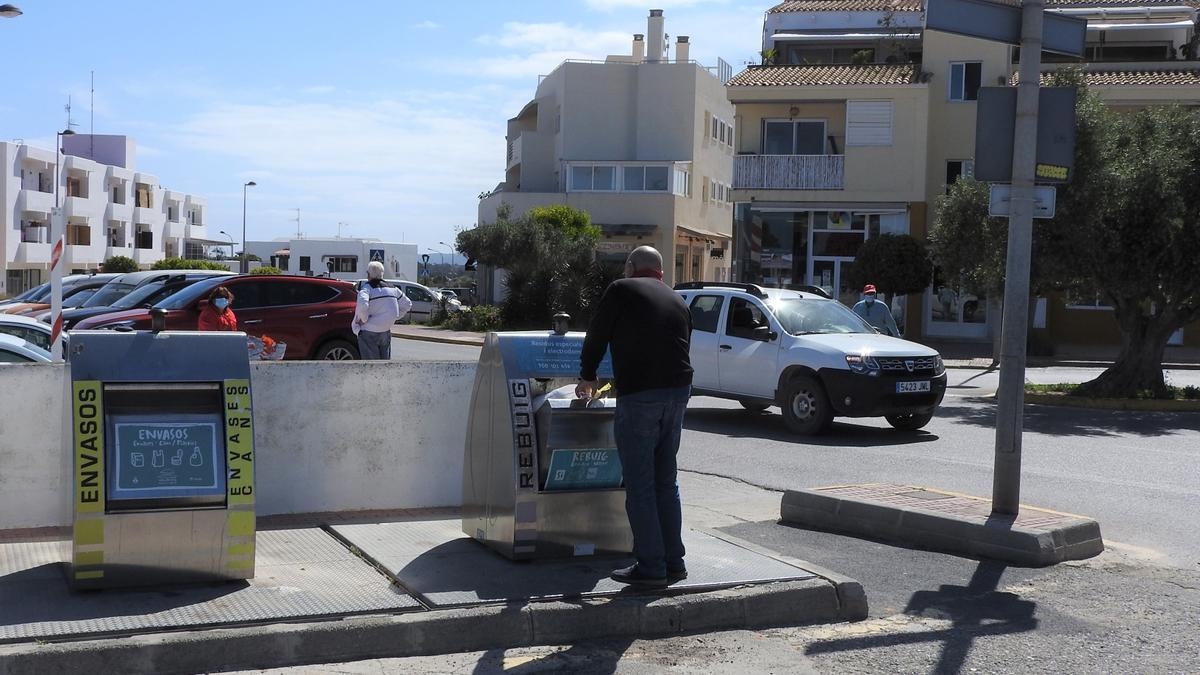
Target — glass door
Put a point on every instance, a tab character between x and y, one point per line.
955	309
829	274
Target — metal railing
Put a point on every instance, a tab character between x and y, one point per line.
789	172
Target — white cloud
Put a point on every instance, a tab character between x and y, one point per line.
318	89
531	37
427	25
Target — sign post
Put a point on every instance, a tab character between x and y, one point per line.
57	235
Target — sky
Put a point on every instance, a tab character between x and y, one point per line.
388	117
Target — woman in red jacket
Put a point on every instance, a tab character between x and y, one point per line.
218	315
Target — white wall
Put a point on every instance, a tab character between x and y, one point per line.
328	437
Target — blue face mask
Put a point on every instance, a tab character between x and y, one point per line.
870	299
221	303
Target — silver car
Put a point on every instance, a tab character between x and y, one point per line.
16	350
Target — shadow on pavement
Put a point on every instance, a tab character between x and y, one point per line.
1062	421
974	610
736	423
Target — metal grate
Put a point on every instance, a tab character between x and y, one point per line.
907	364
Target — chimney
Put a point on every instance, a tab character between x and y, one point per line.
655	37
682	50
639	48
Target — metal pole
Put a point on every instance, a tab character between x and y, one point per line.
1010	398
245	259
57	234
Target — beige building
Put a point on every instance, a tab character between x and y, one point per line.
643	143
862	118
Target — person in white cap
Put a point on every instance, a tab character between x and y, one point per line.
380	305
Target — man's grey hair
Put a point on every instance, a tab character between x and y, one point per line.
374	270
646	258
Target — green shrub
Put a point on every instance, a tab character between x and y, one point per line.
266	269
480	318
120	263
186	264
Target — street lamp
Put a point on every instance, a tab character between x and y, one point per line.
441	256
230	242
9	11
245	255
450	249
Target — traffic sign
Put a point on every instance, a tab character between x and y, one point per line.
995	123
1002	23
1000	200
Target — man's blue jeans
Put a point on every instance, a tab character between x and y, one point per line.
374	345
647	428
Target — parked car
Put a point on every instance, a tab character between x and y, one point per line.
149	291
808	354
425	300
75	291
29	329
311	315
15	350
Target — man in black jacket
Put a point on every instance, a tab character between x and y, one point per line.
648	328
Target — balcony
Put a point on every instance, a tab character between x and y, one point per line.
147	256
80	207
789	172
29	252
514	153
148	215
118	212
82	254
111	251
173	230
33	201
196	232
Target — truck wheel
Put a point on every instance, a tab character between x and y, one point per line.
753	406
806	409
337	350
910	422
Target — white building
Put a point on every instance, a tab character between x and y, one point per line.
110	209
343	258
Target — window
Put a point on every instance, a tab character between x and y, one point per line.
144	238
744	317
37	337
1084	299
343	263
868	123
964	81
248	295
593	177
794	137
716	127
305	263
299	293
143	198
417	294
730	137
724	130
173	213
11	357
957	168
683	182
706	311
118	194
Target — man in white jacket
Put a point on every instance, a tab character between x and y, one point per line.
379	306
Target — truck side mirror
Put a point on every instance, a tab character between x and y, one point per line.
764	333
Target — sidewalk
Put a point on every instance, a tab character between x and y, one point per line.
349	586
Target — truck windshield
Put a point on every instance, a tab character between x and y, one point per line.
800	316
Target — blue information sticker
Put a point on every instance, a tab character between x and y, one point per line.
553	356
166	456
583	469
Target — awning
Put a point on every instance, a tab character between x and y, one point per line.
842	37
705	234
207	242
1145	25
283	251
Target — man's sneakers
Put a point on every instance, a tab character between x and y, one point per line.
634	576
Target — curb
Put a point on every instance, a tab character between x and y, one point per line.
516	624
466	342
1074	539
1137	404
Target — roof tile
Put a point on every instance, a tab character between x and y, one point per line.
826	75
1179	77
919	5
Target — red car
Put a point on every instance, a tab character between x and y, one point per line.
312	315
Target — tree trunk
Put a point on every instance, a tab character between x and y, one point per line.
1138	368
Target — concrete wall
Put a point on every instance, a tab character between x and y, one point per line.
328	437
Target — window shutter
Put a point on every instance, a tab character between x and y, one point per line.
868	123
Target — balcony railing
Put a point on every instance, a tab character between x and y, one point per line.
514	152
789	172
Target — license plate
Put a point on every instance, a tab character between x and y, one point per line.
912	387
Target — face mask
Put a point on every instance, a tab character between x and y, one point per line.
870	299
221	303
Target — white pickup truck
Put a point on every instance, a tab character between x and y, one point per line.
808	354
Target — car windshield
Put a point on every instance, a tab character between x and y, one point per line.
108	294
79	297
39	294
800	316
192	293
139	295
29	295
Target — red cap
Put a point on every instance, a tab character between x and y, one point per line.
869	288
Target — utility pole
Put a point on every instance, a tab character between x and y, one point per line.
298	234
1010	398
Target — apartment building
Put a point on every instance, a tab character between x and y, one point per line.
344	258
110	208
860	118
642	142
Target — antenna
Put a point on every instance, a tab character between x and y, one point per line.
70	122
340	225
299	235
92	120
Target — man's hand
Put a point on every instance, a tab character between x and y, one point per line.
585	388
